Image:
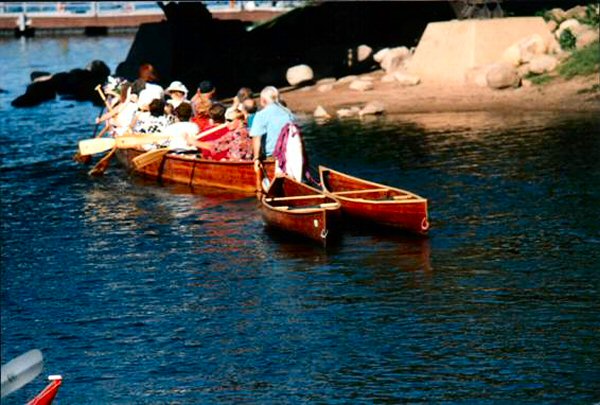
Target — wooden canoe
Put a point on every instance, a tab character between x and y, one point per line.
194	171
376	203
300	209
46	396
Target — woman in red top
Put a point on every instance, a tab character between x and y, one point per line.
232	142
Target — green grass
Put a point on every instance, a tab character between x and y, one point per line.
582	62
540	79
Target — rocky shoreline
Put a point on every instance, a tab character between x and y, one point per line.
560	95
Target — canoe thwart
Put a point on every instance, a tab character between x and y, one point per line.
369	190
296	197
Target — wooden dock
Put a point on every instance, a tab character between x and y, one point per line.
96	18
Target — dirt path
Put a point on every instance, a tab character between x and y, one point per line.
558	95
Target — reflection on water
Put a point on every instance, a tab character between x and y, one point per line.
137	292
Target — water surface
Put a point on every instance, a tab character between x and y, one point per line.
140	293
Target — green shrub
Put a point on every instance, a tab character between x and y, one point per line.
567	40
592	15
582	62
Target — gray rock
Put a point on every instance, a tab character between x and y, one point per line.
572	25
587	37
372	108
361	85
378	57
320	112
348	112
542	64
557	14
363	52
299	74
501	76
578	12
394	59
325	88
406	79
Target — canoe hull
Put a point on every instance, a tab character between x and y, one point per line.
197	172
375	203
301	210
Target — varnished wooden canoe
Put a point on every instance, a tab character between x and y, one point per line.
194	171
376	203
300	209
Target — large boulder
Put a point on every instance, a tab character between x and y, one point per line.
557	14
394	59
571	24
542	64
299	74
501	76
380	54
478	75
363	52
587	37
524	50
578	12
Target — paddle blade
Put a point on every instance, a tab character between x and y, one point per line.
96	145
102	164
148	158
20	370
135	141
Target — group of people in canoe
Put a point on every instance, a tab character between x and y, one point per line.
240	131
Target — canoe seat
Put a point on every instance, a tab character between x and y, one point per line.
305	207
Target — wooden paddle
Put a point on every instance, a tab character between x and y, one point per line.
103	163
157	154
20	371
97	145
86	159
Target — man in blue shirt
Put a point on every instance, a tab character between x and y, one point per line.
268	122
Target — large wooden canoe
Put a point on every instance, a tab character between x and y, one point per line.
194	171
300	209
376	203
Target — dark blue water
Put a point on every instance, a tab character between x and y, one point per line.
138	293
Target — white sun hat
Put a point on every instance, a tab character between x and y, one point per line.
177	86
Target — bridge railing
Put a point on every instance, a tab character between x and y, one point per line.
79	8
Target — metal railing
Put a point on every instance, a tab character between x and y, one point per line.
81	8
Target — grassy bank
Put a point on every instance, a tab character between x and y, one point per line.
582	62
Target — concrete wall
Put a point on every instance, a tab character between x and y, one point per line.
448	49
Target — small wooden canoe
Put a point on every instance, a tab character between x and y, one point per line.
194	171
376	203
300	209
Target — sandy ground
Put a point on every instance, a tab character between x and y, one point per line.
558	95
